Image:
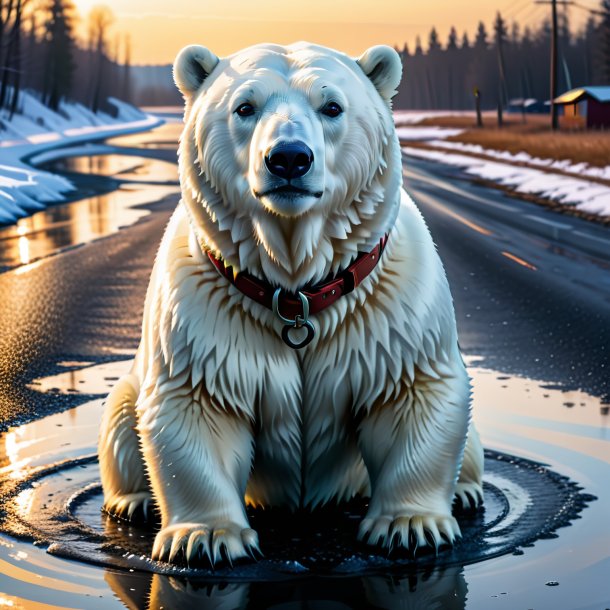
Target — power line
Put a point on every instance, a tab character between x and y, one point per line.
524	7
515	9
533	10
592	11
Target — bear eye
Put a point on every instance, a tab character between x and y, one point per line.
332	109
245	110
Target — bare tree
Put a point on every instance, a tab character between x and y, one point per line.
11	22
15	60
100	20
7	26
126	89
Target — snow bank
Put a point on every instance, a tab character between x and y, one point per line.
426	133
24	189
564	165
411	117
583	195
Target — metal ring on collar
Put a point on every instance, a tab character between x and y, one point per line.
298	322
276	310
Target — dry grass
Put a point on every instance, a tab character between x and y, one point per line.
534	137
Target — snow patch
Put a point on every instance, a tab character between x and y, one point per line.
564	165
411	117
35	129
583	195
426	133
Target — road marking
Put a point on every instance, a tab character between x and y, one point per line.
520	261
473	225
441	208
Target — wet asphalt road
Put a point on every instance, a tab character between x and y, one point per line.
83	304
525	303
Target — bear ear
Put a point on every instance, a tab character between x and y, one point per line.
192	66
383	66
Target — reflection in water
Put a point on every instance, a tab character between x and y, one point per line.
146	180
70	224
436	590
121	165
98	165
62	435
74	433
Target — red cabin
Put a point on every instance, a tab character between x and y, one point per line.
585	107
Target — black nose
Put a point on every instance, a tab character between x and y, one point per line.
289	160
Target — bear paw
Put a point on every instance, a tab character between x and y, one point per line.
194	541
130	507
469	496
409	532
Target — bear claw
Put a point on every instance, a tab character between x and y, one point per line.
194	541
469	495
130	506
409	532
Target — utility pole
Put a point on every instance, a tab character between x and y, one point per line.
554	122
553	3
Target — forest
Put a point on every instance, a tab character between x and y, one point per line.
41	52
504	62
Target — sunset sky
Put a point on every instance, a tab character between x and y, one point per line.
159	32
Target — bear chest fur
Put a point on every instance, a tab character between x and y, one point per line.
302	406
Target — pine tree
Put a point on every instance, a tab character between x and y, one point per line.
465	44
604	44
433	42
452	40
59	39
500	36
480	42
515	33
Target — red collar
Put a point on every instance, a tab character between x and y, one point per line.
318	297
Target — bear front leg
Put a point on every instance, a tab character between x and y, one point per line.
198	458
412	448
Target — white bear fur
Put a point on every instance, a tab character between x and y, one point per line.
218	410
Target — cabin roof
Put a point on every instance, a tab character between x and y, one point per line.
600	94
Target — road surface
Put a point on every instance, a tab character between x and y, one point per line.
525	303
532	297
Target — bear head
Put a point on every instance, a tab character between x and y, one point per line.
289	160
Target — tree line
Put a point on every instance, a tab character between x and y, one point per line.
39	52
504	63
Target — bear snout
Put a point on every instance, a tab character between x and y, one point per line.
289	160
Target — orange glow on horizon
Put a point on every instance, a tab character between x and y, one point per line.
158	33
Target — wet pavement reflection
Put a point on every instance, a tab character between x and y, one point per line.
131	182
68	321
506	420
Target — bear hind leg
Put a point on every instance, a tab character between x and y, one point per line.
469	488
126	490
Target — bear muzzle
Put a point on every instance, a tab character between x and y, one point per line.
289	160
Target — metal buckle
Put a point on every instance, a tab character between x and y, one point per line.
298	322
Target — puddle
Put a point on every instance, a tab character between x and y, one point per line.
52	495
124	167
140	181
71	224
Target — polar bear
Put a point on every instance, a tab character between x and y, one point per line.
299	343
